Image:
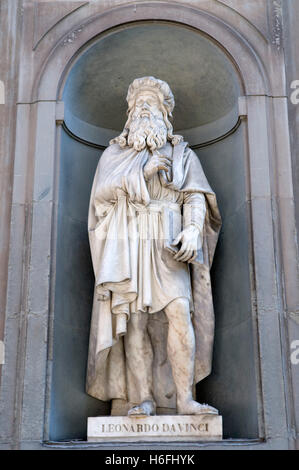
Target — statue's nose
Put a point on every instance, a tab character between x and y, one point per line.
145	109
145	105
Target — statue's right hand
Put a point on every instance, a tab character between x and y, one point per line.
155	163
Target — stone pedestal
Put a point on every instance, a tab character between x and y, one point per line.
155	428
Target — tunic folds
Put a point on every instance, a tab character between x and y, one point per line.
133	270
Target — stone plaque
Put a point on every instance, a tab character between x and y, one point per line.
153	227
155	428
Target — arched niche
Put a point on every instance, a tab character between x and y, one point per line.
207	88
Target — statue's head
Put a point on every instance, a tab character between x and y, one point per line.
150	104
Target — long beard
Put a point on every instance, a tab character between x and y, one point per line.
147	132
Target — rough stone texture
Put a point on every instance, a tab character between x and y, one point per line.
34	377
47	15
9	379
9	53
255	11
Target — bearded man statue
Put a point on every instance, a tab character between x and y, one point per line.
153	229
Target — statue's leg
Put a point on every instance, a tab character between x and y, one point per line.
139	360
181	353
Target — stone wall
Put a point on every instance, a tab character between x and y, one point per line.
291	41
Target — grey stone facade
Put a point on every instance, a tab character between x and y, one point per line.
48	155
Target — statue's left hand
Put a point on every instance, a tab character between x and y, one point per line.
189	240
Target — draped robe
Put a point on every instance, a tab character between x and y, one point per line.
120	201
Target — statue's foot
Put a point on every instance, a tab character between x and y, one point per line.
192	407
146	408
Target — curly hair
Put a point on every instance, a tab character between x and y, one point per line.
166	98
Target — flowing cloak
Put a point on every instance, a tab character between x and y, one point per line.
111	228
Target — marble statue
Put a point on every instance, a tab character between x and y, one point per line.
153	228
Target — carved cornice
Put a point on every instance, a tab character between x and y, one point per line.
276	24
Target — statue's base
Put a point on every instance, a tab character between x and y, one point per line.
155	428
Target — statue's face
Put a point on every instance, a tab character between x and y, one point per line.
147	105
147	127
